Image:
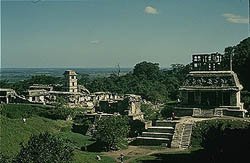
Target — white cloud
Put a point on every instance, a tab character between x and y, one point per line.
150	10
95	42
235	18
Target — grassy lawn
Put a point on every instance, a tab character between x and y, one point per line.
14	131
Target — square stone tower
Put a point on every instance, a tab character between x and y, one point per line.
71	81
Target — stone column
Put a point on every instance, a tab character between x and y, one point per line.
238	98
7	99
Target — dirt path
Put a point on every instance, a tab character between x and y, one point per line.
134	152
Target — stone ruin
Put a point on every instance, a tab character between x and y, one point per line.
10	96
209	91
76	96
129	104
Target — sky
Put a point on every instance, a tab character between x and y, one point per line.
105	33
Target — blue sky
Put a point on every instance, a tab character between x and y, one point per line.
104	33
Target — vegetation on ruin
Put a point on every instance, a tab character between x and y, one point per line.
147	80
222	139
202	129
111	131
150	112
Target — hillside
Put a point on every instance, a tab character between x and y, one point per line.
14	131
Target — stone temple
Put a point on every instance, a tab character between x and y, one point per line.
209	91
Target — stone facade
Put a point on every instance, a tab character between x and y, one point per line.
71	81
10	96
211	89
7	95
78	96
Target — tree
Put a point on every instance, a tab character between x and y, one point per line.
147	70
4	158
150	112
84	79
218	145
45	148
167	111
111	131
241	60
136	128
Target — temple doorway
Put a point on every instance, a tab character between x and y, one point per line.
208	98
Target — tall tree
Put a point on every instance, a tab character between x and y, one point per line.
241	60
147	70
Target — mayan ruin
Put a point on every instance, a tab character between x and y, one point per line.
124	81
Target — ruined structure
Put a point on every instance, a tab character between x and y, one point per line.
71	81
77	96
208	90
7	95
129	104
10	96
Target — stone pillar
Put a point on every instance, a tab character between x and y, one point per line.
7	99
238	103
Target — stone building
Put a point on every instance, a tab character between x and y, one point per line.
10	96
37	96
208	90
129	105
71	81
7	95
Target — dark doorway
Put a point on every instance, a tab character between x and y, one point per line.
226	98
191	98
219	98
208	98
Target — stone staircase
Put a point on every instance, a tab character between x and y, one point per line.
182	135
176	141
186	136
160	134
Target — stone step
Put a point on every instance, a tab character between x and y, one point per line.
152	138
157	135
166	123
161	129
186	136
152	141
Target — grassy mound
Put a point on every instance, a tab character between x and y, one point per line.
14	131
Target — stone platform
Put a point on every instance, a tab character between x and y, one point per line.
159	134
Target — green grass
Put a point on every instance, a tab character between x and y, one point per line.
14	131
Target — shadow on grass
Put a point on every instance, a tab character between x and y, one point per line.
180	157
96	147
